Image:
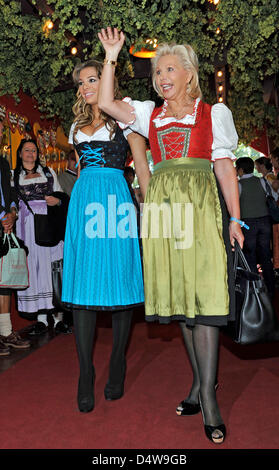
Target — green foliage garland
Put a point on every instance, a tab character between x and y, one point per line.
39	63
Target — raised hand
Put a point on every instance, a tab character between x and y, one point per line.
112	41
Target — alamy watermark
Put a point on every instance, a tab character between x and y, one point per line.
120	220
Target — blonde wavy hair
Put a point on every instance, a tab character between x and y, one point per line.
188	60
83	112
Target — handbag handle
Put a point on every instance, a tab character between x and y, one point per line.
12	235
239	255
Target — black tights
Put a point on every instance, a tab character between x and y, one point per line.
85	325
202	343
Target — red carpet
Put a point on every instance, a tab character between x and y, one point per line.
38	396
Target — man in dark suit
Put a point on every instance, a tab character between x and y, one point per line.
254	212
8	213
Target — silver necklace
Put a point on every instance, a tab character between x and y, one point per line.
181	113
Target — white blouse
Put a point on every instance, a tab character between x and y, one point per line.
38	179
102	134
225	137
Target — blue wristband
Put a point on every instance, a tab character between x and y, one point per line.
240	222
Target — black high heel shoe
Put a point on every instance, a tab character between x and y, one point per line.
187	409
219	430
115	391
86	399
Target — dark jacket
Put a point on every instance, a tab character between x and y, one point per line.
8	192
10	196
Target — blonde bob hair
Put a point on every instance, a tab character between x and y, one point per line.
84	114
188	60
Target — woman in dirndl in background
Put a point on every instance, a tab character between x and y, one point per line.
186	272
36	184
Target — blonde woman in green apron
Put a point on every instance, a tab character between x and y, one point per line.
186	240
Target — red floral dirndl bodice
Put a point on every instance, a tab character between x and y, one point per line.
178	140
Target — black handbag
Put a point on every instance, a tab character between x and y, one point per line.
255	318
45	233
272	206
57	275
44	229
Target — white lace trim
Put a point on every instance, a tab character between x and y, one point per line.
160	121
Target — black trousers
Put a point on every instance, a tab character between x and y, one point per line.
257	248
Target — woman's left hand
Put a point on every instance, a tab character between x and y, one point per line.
52	201
236	234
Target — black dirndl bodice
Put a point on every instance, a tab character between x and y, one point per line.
99	153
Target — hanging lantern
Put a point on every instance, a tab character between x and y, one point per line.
146	52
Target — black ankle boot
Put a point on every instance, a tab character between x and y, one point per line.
86	399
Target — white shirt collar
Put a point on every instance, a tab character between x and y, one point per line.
247	175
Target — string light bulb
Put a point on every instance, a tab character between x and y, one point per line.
220	83
48	26
74	50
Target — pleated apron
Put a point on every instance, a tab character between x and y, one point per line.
184	254
102	263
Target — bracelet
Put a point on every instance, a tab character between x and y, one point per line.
110	62
240	222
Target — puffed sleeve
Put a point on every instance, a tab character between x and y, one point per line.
142	113
71	133
225	137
